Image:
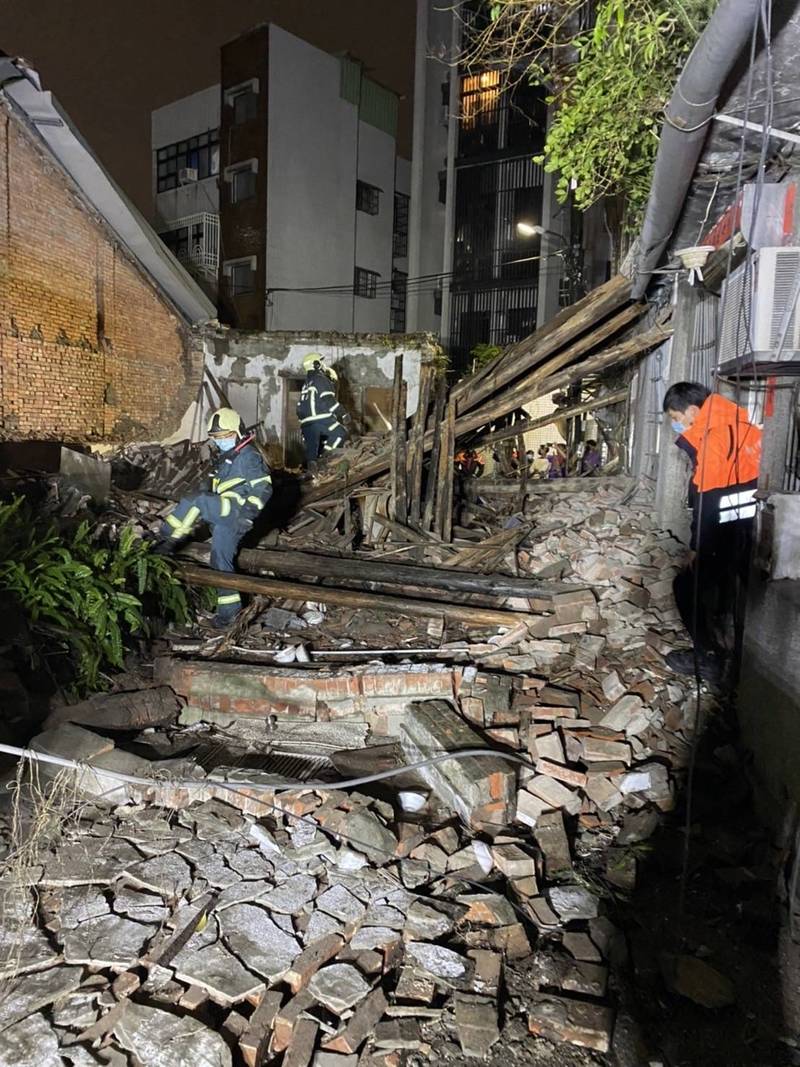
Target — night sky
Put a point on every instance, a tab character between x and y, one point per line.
111	63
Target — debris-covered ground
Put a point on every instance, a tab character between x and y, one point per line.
245	871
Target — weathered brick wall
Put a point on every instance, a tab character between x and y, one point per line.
88	348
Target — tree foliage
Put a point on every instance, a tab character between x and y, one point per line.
609	79
90	596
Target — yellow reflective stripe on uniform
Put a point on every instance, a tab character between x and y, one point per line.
214	484
229	598
258	481
181	527
312	418
225	507
221	487
230	495
259	503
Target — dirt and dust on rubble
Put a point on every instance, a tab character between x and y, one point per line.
428	809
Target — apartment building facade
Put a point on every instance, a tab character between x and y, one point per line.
282	189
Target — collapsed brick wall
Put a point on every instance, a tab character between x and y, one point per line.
88	347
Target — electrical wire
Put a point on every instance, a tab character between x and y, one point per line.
279	786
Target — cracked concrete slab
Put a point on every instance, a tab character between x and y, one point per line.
110	941
217	970
292	895
161	1039
24	996
30	1043
139	905
338	986
259	943
169	875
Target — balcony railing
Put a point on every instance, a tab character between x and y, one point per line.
194	240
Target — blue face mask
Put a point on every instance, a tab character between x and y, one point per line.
678	427
225	444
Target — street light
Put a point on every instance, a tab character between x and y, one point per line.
529	229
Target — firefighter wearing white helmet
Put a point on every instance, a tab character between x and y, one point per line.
318	410
241	486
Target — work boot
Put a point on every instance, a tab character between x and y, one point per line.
691	662
221	621
164	547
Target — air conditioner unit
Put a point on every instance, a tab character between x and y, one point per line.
759	301
187	175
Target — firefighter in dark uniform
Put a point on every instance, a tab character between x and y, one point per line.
318	410
240	488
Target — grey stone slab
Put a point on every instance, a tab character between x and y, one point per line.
292	895
110	941
259	943
23	948
437	960
216	969
338	986
573	902
24	996
160	1039
384	915
216	872
251	865
213	820
242	893
77	1010
83	863
168	875
30	1043
366	833
341	904
372	937
320	925
139	905
426	923
79	903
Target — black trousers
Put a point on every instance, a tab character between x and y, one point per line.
718	577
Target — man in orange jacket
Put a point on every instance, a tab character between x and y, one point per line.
725	450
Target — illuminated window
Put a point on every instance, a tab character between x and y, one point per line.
480	95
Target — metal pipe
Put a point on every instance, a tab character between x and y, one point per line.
685	128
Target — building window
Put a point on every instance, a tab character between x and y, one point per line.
437	299
365	283
442	186
397	308
368	198
240	275
242	180
400	227
191	160
243	99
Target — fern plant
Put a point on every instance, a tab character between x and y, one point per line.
93	596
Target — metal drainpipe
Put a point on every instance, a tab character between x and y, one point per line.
453	122
683	134
417	163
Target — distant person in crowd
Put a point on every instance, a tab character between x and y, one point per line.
591	460
724	448
540	464
557	460
320	413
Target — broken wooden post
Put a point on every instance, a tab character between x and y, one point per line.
466	614
416	445
436	445
443	521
